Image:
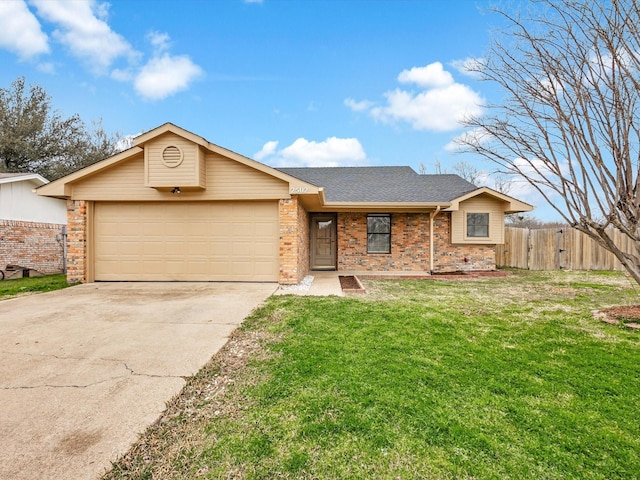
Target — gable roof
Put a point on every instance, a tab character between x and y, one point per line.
383	184
61	187
319	188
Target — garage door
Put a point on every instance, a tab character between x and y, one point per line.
190	241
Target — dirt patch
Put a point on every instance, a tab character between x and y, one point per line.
627	315
351	284
460	274
78	442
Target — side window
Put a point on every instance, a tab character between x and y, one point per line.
379	233
478	225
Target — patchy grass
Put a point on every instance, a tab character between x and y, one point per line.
20	286
503	378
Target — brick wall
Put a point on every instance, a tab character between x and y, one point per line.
294	242
409	243
458	257
76	241
32	245
409	246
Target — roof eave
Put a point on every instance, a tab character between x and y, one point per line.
32	177
513	205
385	206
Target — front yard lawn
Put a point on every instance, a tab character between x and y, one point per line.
19	286
502	378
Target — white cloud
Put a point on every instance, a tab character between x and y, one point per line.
469	66
439	106
332	152
438	109
126	142
432	75
82	28
267	150
358	106
165	75
159	40
20	30
475	136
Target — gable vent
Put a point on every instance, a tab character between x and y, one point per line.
171	156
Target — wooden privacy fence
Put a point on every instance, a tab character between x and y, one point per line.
558	248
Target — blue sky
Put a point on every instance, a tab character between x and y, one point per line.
286	82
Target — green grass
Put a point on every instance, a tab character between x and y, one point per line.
493	379
19	286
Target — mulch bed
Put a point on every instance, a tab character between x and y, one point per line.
627	315
350	284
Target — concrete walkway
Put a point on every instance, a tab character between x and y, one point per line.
83	371
324	283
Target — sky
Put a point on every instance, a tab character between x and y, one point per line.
285	82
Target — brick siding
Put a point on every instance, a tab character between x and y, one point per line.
458	257
76	241
37	246
409	246
409	243
294	242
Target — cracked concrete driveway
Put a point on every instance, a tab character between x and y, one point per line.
84	370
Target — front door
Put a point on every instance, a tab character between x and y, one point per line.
323	242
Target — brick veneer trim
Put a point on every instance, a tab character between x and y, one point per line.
76	241
294	241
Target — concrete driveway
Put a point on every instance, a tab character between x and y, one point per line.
84	370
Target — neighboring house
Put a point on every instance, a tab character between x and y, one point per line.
176	207
31	226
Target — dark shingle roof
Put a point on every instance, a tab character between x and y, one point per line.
382	184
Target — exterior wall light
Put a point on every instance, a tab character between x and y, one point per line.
176	190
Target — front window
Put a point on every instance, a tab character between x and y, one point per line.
478	225
379	233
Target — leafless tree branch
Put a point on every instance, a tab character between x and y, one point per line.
569	121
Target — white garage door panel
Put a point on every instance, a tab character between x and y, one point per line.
210	241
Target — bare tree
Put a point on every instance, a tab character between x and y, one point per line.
570	120
462	168
499	181
530	221
35	138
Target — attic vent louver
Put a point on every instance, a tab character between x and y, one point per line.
171	156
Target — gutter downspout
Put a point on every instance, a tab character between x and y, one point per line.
431	239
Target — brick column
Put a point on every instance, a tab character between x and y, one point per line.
76	241
294	240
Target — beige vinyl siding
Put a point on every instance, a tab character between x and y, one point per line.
189	173
225	180
479	204
194	241
228	179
